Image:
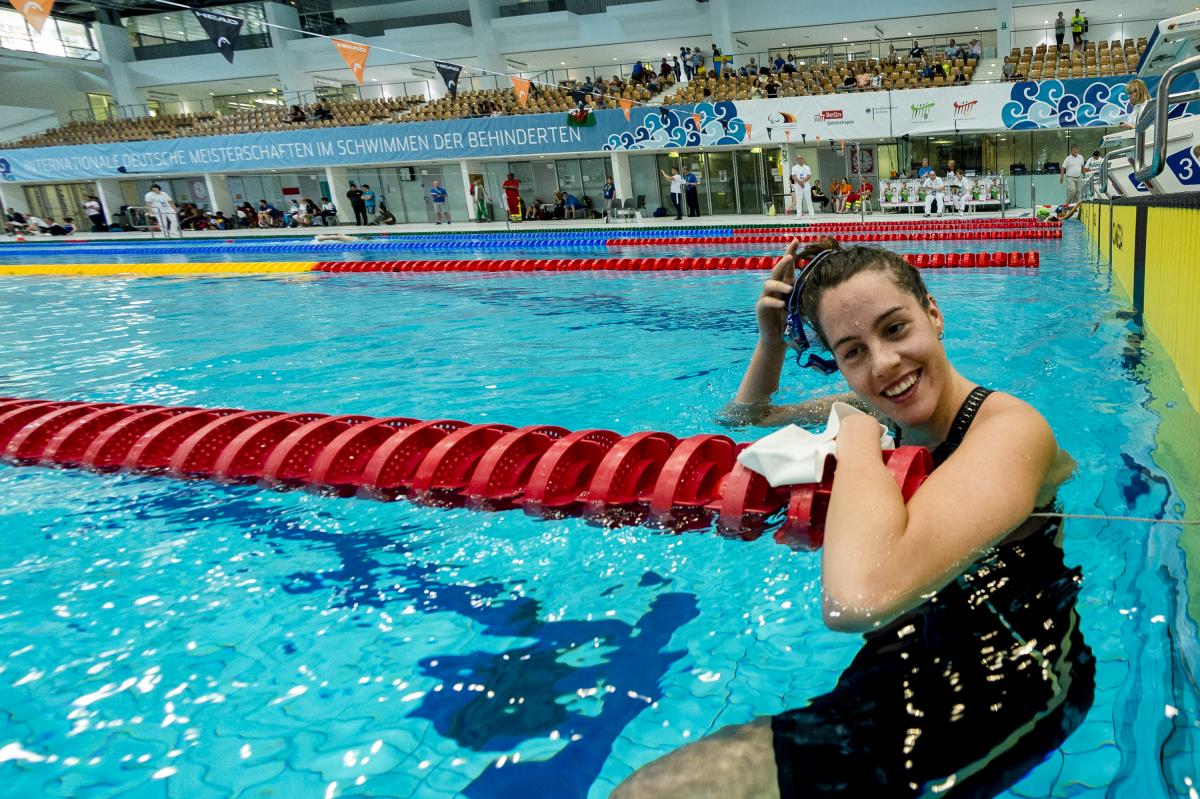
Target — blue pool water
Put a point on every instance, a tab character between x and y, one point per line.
160	638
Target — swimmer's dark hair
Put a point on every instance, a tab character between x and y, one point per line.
844	263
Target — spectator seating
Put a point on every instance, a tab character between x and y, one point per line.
1096	60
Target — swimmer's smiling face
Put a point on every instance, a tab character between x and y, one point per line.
886	345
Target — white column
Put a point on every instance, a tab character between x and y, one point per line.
720	20
1004	23
111	197
339	184
13	196
293	80
466	168
622	181
220	198
116	53
486	48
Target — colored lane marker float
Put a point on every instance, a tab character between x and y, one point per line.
810	236
548	471
1027	259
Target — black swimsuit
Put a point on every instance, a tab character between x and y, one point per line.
963	695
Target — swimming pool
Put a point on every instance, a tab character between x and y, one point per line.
201	640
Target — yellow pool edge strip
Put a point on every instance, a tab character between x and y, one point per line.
148	270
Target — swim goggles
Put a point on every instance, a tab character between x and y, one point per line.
794	330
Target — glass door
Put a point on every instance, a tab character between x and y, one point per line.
751	189
722	194
771	163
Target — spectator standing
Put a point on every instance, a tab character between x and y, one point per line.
691	187
368	199
685	55
892	57
1072	173
975	52
479	194
678	70
355	196
160	205
438	196
1077	23
916	53
697	62
801	177
93	210
1060	29
676	190
610	194
512	197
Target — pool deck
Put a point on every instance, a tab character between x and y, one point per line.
554	225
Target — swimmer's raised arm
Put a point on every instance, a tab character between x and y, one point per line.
752	404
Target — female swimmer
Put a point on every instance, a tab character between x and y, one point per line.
972	667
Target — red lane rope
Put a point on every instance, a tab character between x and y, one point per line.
808	235
548	471
936	224
753	262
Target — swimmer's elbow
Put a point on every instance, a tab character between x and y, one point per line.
857	616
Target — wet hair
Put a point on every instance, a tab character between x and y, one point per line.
843	263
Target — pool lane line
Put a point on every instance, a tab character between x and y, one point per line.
147	270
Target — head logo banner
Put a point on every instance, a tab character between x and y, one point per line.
221	28
626	106
354	54
449	73
35	12
521	89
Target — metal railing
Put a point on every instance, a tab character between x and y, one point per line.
1109	156
1157	111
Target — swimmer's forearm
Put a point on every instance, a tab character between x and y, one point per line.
864	525
762	375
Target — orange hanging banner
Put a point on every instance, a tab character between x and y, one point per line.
696	118
521	89
35	12
626	106
787	135
355	56
749	128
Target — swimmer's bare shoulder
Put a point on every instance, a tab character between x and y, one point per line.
1063	465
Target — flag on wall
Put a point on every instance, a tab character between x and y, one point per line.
35	12
354	54
626	106
449	73
521	88
221	28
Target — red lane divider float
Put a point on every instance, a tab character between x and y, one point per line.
936	224
754	262
807	235
548	471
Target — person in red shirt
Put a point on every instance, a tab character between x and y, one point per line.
863	195
512	197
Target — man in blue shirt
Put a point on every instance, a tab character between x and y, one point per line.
572	205
691	185
437	196
610	193
925	168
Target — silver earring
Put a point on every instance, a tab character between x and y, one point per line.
941	334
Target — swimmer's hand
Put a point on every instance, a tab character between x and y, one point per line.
771	308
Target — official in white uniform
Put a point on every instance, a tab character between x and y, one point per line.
160	206
802	188
965	196
934	189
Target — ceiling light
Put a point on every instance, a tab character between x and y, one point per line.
908	34
1120	15
564	63
1045	22
844	39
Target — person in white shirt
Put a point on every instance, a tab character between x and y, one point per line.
1091	166
964	192
953	188
1072	173
676	190
160	205
802	188
934	190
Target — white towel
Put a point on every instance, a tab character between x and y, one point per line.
793	455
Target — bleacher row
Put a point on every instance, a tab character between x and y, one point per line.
1036	63
1095	60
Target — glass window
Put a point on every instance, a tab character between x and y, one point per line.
182	26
